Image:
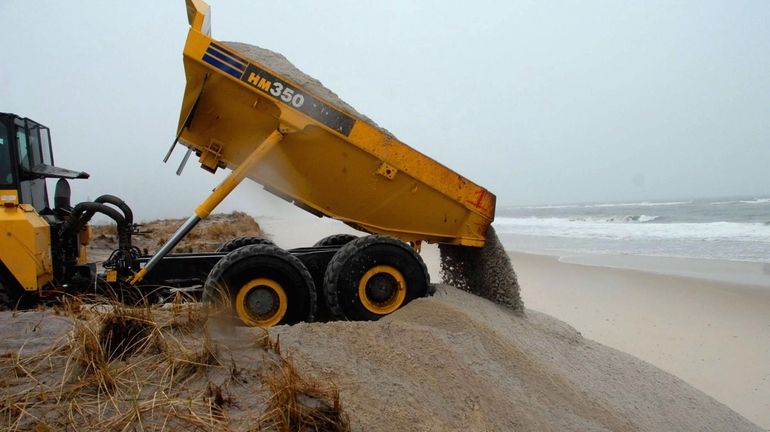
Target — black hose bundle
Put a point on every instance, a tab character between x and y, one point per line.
124	257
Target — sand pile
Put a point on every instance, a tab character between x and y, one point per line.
456	362
486	272
452	362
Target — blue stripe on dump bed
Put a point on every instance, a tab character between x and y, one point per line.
219	65
234	63
228	52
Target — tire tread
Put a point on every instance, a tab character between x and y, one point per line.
336	240
330	288
240	242
215	277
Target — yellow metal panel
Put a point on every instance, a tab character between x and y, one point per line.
111	276
25	246
198	15
84	237
238	174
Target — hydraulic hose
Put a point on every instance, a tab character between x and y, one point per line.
119	203
124	231
83	212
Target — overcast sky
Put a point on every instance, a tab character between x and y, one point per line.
541	102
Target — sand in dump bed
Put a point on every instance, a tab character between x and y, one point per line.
279	63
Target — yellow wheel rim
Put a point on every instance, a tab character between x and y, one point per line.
382	289
261	303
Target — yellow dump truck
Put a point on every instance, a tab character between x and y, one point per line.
249	110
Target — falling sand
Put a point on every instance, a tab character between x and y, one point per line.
486	272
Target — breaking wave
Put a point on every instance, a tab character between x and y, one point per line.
617	219
632	227
639	204
757	201
606	205
753	201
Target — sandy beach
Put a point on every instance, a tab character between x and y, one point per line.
703	328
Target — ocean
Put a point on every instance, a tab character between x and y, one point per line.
736	229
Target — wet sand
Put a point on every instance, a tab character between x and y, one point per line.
699	320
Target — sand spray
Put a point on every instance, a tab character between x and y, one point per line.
486	272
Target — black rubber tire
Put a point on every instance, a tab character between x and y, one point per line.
353	260
12	296
336	240
240	242
269	261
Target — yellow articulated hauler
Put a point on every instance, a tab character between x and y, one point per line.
246	111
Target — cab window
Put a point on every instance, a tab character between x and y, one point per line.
32	188
33	141
21	139
45	146
6	171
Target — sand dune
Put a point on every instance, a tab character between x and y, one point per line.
447	363
458	362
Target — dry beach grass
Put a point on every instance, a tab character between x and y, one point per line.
208	235
104	366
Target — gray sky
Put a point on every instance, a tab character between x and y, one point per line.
541	102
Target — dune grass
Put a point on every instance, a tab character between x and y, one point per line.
208	235
160	368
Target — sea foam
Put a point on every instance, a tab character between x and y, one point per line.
632	227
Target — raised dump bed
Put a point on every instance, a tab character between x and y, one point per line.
330	160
